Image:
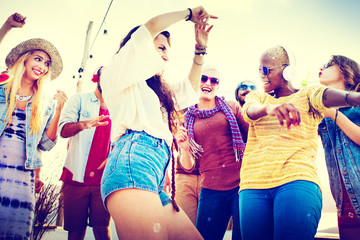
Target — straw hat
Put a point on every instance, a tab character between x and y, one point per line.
37	44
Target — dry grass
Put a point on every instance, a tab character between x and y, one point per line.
48	201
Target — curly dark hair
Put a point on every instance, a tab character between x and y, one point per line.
167	100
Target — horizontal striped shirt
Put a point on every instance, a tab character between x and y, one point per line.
275	155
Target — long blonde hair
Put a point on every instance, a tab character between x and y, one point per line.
11	88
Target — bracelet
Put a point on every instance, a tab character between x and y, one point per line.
200	53
336	114
200	48
197	62
346	100
188	17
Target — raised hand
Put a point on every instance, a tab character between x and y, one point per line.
200	16
16	20
201	35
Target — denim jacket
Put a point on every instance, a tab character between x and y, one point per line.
79	107
34	142
341	153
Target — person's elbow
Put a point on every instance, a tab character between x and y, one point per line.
63	130
151	26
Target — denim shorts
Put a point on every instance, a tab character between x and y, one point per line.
139	161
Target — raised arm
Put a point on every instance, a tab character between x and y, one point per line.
201	38
159	23
16	20
338	98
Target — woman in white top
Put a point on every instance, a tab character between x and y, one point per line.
142	106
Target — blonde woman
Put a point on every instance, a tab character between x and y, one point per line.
28	126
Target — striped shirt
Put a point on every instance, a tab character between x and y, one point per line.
275	155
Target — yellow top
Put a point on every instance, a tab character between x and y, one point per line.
275	155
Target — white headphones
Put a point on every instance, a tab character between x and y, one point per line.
289	72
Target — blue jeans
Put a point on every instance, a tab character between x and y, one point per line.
290	211
214	211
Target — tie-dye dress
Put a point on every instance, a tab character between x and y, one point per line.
17	193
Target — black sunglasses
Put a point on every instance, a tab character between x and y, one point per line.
266	70
213	80
244	87
328	64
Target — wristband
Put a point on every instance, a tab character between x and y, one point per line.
200	48
188	17
200	53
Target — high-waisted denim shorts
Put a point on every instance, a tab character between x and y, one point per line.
137	160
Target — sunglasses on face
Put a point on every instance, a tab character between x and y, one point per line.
266	70
213	80
244	87
328	64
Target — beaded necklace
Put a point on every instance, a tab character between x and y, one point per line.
23	98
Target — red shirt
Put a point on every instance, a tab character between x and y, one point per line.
217	164
99	152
